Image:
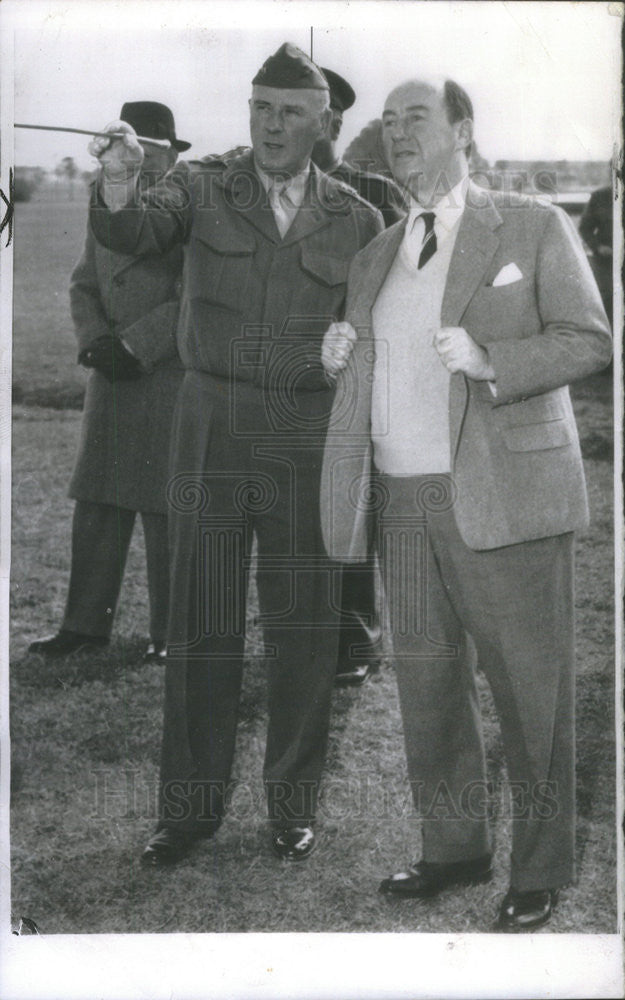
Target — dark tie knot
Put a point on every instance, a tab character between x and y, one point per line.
428	219
428	244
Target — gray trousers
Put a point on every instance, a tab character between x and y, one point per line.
516	605
101	536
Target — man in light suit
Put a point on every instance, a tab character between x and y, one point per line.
453	425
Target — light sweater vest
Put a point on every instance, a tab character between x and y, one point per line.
410	399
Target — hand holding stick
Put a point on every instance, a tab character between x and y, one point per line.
162	143
118	150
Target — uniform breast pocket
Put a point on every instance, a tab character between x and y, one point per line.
324	268
220	267
324	283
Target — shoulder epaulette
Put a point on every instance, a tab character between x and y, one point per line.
339	188
213	161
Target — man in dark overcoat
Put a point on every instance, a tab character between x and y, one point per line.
125	311
268	241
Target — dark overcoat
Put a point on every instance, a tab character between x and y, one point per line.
124	442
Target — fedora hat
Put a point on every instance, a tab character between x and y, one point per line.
154	121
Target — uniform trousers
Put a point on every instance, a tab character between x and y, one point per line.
101	536
360	634
226	487
516	605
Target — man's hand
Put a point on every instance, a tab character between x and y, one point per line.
109	355
120	158
338	343
460	353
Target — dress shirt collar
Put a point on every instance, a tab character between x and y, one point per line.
294	187
447	210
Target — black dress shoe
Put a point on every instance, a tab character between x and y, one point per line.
156	651
354	674
294	843
167	846
66	642
426	879
522	911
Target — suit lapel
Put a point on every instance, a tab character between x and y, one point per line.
359	370
475	246
474	249
374	276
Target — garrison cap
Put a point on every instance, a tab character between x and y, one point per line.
290	69
342	95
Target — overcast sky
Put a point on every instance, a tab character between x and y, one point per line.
544	77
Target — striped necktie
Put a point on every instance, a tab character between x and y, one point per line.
428	246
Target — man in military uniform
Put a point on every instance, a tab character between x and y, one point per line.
360	634
380	191
125	312
268	243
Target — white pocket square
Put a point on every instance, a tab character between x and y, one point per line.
507	276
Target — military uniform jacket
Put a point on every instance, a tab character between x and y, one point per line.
123	450
379	191
255	305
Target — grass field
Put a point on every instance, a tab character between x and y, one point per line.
86	731
49	234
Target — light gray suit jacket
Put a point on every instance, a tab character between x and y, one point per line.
516	458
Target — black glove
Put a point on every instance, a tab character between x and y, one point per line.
108	355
